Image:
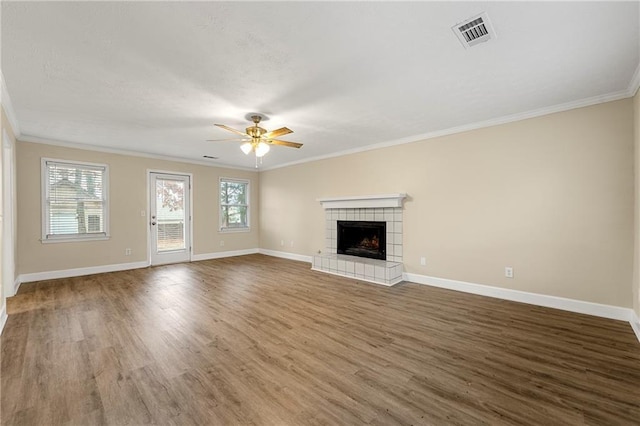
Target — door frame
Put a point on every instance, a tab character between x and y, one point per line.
8	218
148	210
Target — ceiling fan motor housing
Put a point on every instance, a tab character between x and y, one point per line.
255	131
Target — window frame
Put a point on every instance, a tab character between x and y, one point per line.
47	238
246	228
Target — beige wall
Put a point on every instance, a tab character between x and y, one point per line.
550	196
128	196
636	256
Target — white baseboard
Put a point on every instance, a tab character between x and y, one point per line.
221	254
635	324
572	305
3	315
16	285
285	255
77	272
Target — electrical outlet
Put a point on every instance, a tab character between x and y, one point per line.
423	261
222	243
281	243
143	213
127	252
291	243
508	272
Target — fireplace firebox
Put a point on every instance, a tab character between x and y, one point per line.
364	239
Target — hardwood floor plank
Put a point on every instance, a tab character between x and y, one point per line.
119	395
264	341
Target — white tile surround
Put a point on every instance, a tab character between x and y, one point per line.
385	208
392	217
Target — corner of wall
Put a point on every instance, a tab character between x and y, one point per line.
635	324
3	314
636	253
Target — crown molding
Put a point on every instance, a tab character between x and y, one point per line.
8	107
631	90
581	103
634	84
86	147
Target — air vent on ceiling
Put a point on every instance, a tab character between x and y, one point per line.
474	30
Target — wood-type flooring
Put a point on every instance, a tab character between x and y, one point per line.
258	340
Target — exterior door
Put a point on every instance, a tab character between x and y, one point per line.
169	218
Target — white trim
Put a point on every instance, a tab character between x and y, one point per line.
232	230
595	100
572	305
16	285
77	272
148	213
358	278
87	147
285	255
8	222
635	324
634	84
5	99
222	254
75	239
3	315
363	201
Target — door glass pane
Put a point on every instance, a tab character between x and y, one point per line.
170	214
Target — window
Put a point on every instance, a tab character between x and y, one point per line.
74	204
234	205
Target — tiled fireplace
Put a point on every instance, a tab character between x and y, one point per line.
368	211
389	215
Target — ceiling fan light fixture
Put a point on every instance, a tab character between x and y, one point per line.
262	149
246	148
258	140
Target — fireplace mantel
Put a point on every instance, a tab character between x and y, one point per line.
363	201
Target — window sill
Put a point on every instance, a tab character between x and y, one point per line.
232	230
74	239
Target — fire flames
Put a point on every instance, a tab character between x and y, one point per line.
370	243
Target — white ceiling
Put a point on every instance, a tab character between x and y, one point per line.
155	77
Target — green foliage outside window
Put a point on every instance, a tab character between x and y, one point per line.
234	204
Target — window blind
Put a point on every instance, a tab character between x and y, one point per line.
75	199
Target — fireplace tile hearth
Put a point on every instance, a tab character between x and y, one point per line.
372	270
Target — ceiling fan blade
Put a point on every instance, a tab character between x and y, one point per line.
225	140
278	132
284	143
232	130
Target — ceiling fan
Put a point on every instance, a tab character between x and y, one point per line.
257	139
